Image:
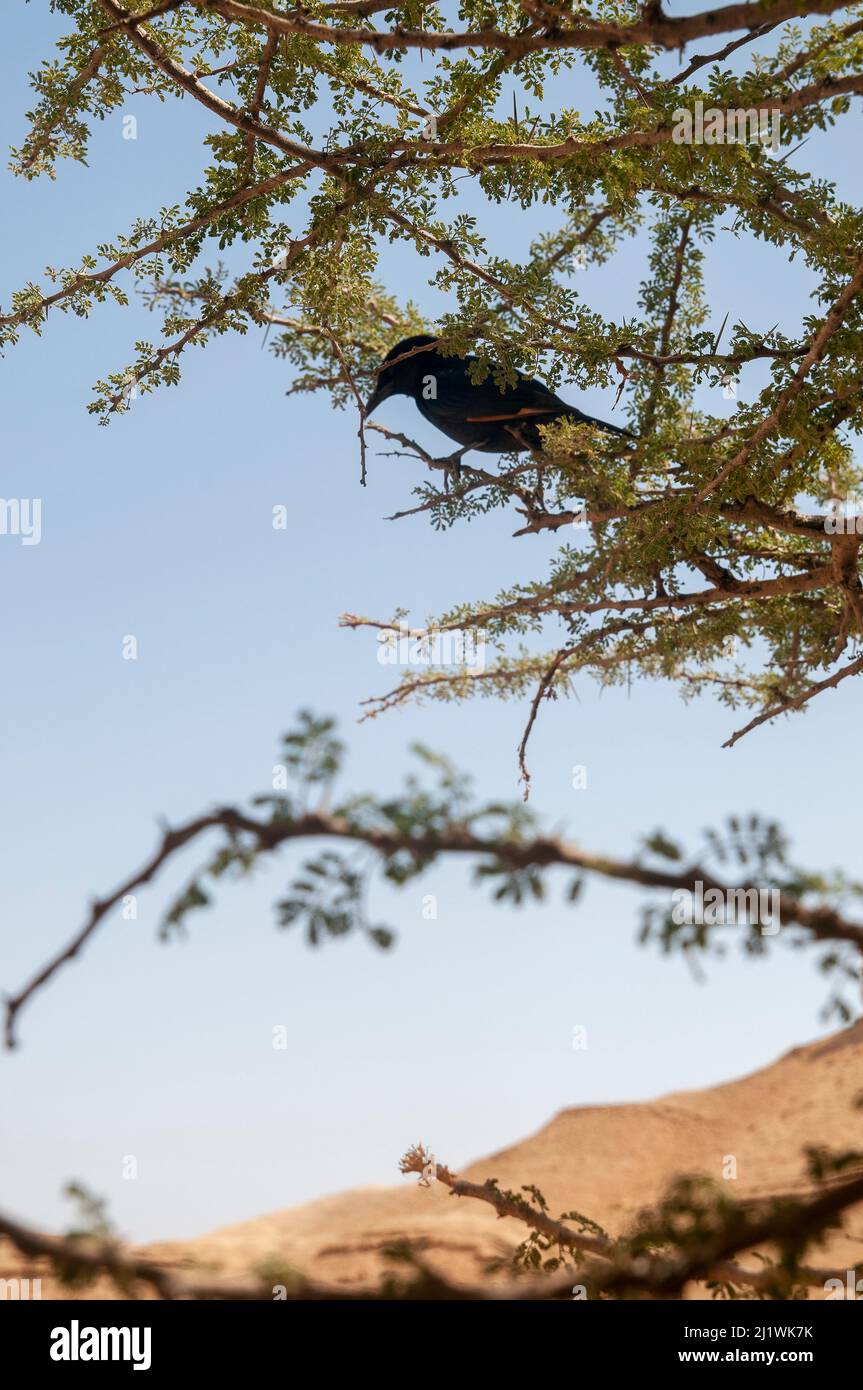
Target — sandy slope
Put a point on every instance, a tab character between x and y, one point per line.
606	1161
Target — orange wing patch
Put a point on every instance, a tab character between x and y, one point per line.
522	414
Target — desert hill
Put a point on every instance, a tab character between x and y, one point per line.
608	1162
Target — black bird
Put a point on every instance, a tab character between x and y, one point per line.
477	417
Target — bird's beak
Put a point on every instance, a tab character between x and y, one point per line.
380	393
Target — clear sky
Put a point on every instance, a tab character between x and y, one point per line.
160	526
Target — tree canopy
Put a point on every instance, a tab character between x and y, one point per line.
717	553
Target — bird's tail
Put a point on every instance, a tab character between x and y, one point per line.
602	425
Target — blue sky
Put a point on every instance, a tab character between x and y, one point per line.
161	526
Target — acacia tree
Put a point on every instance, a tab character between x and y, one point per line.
329	141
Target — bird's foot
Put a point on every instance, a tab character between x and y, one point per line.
452	469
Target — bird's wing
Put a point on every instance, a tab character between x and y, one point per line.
526	403
487	403
526	400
